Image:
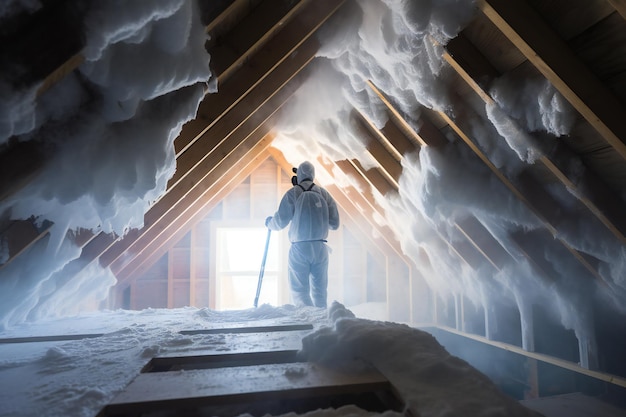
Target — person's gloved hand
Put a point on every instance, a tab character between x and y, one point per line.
267	221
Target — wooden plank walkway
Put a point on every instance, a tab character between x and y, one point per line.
254	329
217	330
199	361
51	338
249	370
241	386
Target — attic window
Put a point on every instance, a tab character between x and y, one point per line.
239	256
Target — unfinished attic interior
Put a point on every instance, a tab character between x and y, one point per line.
476	151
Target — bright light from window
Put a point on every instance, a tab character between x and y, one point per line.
239	257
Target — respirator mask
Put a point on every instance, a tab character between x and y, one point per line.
294	179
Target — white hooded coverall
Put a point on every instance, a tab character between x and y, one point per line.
308	255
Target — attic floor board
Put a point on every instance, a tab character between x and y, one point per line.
49	338
240	385
229	330
176	363
251	329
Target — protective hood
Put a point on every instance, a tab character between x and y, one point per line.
306	171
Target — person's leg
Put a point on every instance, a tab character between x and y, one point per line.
299	276
319	275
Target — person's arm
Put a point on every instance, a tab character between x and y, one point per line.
283	216
333	213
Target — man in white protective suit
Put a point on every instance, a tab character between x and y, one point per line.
312	212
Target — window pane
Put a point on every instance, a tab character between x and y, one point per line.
239	256
241	249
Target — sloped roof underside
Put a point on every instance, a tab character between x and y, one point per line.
559	194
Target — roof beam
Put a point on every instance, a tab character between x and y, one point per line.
558	63
359	220
292	36
61	72
466	253
590	190
250	35
257	67
471	65
375	178
620	6
202	174
259	95
405	126
364	202
220	189
21	235
45	45
397	139
228	19
428	134
351	170
242	113
484	242
481	240
461	125
388	161
164	217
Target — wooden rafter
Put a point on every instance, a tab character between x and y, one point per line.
212	149
97	246
180	209
228	19
463	249
470	228
620	6
461	126
21	235
219	190
282	47
468	248
471	65
368	212
484	242
351	170
81	237
292	43
381	146
593	193
375	178
61	72
250	35
198	151
388	162
558	63
428	134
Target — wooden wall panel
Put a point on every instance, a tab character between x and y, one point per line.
149	294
